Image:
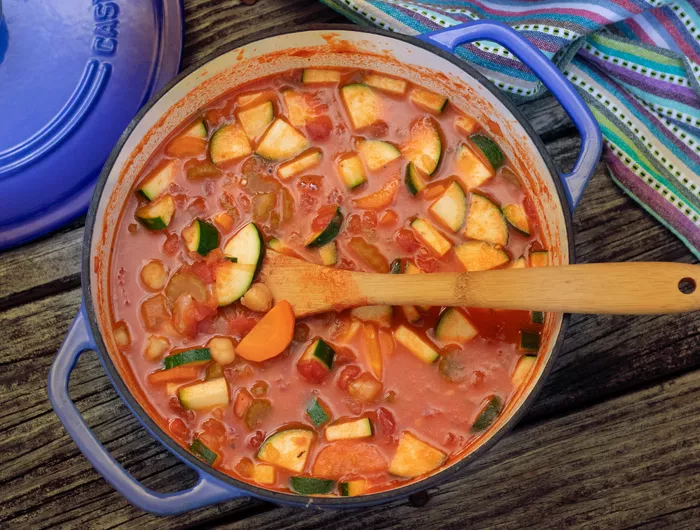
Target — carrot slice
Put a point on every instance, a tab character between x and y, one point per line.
184	146
270	336
379	199
348	458
374	352
178	374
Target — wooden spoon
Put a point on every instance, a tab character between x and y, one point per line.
620	288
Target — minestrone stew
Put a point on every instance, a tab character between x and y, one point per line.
350	169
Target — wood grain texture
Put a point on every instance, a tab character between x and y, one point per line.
627	457
597	288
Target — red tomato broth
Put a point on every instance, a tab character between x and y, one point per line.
438	412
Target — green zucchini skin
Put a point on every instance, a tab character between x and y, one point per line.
490	150
202	452
329	233
186	357
487	416
310	485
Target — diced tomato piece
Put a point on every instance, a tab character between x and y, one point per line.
185	315
386	421
255	440
313	370
212	442
343	356
354	224
242	402
426	263
201	169
348	374
178	428
407	240
365	388
245	467
171	244
377	129
369	220
319	128
323	217
348	458
204	271
214	427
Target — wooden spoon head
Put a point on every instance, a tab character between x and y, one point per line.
309	288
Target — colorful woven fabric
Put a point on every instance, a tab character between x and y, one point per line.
636	63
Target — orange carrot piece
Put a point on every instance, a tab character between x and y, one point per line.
434	191
348	458
388	218
374	352
184	146
379	199
186	372
224	221
386	342
270	336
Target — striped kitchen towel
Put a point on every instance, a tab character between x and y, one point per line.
636	63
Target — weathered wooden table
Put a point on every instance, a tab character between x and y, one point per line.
612	442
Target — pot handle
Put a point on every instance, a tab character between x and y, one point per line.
208	490
551	77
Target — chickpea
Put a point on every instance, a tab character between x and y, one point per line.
122	336
258	298
222	350
156	346
154	275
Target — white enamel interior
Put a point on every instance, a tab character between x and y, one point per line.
346	48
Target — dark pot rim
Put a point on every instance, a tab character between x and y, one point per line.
274	496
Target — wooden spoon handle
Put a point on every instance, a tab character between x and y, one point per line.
620	288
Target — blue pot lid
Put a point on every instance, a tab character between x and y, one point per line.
72	76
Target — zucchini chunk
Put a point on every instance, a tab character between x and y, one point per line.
204	395
264	474
387	84
349	430
529	341
329	233
318	412
415	180
377	314
352	488
431	237
310	485
451	207
157	215
351	171
301	163
515	215
454	326
228	143
329	253
519	263
196	355
395	267
424	147
319	351
256	119
281	141
487	415
288	449
362	103
201	237
485	221
414	457
201	451
249	97
537	317
416	344
233	278
428	100
466	124
315	76
298	109
539	258
480	256
377	154
489	149
471	169
522	369
157	181
198	129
